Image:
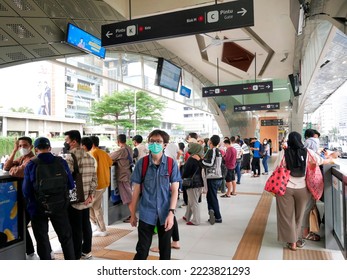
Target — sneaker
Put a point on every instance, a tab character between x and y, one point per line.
219	221
87	256
100	233
212	218
265	173
32	257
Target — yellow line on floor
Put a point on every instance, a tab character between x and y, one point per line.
252	238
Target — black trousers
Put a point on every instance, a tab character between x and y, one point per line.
81	231
175	233
256	165
145	233
61	225
29	246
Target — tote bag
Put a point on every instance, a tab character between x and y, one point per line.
314	179
314	219
277	182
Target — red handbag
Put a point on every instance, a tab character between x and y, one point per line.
314	179
277	182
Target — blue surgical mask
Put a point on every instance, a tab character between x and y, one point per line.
155	148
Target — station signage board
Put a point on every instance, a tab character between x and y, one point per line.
238	89
275	122
230	15
257	107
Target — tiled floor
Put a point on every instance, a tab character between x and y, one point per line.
221	241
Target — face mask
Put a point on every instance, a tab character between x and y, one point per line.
155	148
24	151
265	142
66	146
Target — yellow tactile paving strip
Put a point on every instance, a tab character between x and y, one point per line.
250	243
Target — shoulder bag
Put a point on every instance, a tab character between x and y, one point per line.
77	193
314	179
277	182
188	183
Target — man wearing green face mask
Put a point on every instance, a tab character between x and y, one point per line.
159	192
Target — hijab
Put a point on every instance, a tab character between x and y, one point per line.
295	155
195	149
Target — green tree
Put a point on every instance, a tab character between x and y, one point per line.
23	110
118	109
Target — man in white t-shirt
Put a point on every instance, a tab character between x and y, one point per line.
140	149
172	150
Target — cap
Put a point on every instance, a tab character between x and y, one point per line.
42	143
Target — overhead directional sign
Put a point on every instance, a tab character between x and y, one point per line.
230	15
274	122
239	89
257	107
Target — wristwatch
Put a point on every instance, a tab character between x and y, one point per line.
172	210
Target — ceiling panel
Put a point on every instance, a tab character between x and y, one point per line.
15	54
47	29
51	8
26	8
20	31
6	10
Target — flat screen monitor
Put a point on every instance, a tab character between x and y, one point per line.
168	75
184	91
81	39
11	209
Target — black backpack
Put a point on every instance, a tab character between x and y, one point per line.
50	188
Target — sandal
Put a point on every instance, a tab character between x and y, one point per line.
225	195
291	246
300	243
312	236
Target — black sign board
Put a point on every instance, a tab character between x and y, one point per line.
275	122
257	107
239	89
230	15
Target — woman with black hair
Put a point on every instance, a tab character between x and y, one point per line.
291	206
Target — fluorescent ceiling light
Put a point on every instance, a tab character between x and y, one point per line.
280	88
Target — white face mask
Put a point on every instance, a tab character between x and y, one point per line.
265	142
24	151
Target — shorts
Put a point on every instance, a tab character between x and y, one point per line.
125	191
230	175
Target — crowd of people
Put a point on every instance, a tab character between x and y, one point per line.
150	177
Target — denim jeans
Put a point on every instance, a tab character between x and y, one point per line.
266	168
211	196
238	171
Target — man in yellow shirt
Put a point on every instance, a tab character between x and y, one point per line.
103	171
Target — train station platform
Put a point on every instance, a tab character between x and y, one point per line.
248	232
